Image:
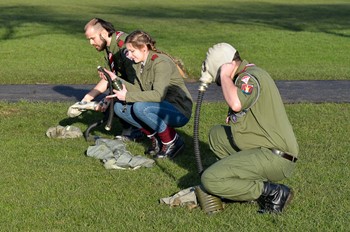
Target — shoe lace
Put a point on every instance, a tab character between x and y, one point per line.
165	147
154	143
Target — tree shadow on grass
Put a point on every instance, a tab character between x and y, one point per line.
326	18
291	17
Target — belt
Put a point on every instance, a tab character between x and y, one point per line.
284	155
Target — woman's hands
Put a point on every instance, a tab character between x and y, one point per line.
118	94
121	95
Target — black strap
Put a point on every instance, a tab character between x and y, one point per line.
284	155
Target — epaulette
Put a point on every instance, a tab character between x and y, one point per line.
120	42
118	34
155	56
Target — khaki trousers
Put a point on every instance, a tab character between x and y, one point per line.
239	175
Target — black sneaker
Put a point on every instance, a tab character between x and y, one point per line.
172	149
155	146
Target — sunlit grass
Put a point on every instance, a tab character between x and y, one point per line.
50	184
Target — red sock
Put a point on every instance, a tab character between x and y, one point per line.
168	135
147	132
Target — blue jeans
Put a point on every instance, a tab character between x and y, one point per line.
151	115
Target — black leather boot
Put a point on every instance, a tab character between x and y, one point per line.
274	198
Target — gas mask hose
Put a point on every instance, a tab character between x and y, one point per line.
87	132
111	105
201	90
210	204
110	112
107	117
196	132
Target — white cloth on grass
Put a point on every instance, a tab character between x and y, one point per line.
186	197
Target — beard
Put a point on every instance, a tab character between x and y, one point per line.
103	45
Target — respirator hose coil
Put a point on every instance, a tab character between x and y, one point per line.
196	132
209	203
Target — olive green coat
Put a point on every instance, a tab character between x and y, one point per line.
161	80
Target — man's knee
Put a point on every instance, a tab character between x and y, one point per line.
209	182
213	183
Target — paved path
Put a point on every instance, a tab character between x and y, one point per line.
291	92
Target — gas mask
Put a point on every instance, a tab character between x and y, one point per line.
217	55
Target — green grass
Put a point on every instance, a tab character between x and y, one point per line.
50	185
43	41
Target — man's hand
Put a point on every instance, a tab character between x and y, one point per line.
103	75
103	105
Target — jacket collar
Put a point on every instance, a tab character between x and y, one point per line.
241	67
113	44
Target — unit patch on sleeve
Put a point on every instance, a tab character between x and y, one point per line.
245	79
247	89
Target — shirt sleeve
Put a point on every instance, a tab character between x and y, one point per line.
248	90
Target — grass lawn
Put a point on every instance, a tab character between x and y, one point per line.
50	184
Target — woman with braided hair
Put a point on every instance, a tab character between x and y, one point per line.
164	102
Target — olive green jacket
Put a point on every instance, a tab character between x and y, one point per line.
266	123
160	80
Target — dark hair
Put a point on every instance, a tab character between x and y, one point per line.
236	57
139	38
106	25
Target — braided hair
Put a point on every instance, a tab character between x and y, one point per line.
140	38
